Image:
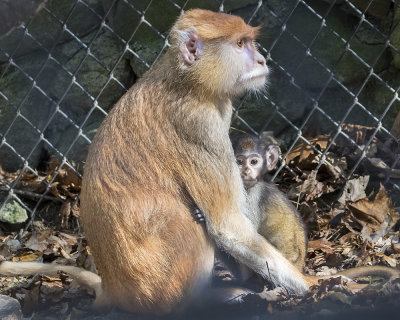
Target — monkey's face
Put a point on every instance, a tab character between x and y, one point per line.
216	54
251	167
251	66
224	67
233	66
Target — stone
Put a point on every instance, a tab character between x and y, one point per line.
10	309
297	76
47	29
13	244
378	9
14	12
395	36
396	126
13	213
53	82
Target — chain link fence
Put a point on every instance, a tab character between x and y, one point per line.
334	73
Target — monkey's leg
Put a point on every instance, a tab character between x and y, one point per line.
153	258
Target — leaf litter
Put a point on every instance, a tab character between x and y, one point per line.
351	222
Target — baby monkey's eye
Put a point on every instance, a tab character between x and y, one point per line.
254	162
240	43
239	162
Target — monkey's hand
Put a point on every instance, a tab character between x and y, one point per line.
198	215
239	238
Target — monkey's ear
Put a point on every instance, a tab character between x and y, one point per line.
191	47
272	155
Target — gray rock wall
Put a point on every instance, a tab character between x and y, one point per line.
69	68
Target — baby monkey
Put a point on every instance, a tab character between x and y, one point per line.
270	211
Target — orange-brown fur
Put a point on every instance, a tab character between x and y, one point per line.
210	25
164	145
162	149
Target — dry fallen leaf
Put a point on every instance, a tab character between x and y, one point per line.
320	244
372	219
66	176
360	134
355	287
36	242
310	188
27	257
354	189
304	152
276	294
65	212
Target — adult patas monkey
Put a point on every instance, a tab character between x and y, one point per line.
137	197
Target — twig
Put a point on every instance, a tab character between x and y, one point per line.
30	194
242	295
269	274
298	200
336	232
236	129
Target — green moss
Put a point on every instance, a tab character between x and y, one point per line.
13	212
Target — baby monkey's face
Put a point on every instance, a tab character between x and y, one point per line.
251	168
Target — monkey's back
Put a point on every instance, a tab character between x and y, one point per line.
146	245
280	223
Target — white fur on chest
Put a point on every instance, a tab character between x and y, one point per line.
253	200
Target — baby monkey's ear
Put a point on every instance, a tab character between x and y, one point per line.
272	156
191	46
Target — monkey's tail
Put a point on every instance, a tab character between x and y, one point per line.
377	271
84	277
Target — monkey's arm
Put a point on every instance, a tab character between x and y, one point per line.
218	192
237	236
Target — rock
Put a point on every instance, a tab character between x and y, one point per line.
10	309
311	71
13	213
46	29
396	126
80	148
395	36
54	82
93	76
21	135
378	9
376	97
146	42
296	77
13	244
328	48
230	5
14	12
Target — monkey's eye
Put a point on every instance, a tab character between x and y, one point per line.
239	162
240	43
254	162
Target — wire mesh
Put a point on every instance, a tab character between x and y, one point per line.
42	105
